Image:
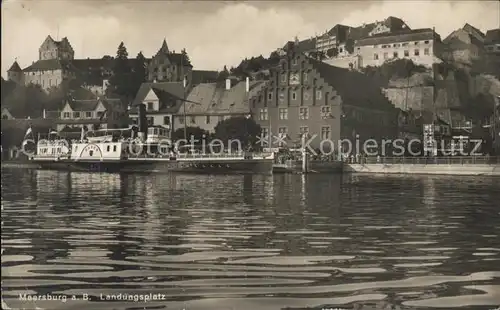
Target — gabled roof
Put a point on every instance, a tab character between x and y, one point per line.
15	67
210	99
478	34
170	95
50	64
91	105
354	88
492	36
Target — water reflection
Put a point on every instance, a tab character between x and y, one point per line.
251	242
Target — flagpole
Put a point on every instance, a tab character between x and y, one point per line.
183	94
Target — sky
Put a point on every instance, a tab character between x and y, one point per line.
214	33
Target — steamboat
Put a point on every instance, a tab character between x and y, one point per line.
117	150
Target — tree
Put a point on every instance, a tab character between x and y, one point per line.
120	81
243	129
198	133
139	73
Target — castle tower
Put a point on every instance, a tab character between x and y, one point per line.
15	73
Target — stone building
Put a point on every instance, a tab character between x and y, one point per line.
308	96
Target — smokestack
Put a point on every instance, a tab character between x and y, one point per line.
142	122
228	84
247	84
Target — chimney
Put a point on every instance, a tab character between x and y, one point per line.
228	84
142	122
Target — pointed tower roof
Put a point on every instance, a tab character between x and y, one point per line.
15	67
164	47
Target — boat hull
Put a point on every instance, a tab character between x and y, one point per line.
255	166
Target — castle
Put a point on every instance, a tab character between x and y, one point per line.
56	64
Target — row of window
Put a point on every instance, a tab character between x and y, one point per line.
406	53
325	131
303	113
399	44
294	96
87	114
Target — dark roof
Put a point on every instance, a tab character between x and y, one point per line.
303	46
50	64
91	105
204	76
99	63
492	36
170	95
15	67
399	36
393	23
354	88
478	34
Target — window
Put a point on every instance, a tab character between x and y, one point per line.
66	115
304	113
375	56
395	54
264	132
303	130
150	121
150	106
325	112
407	53
325	132
263	116
88	114
283	78
207	119
318	94
283	113
304	77
416	52
181	120
76	114
193	119
294	96
282	97
386	55
166	120
426	51
114	148
269	96
426	42
294	61
108	148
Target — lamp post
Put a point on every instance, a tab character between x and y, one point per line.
184	82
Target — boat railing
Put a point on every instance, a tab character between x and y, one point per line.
449	160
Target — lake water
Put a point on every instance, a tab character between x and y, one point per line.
249	242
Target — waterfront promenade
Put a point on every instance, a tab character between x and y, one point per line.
459	165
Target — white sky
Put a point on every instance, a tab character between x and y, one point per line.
214	33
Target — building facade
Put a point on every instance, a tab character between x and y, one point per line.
210	103
308	96
167	66
91	114
492	41
162	101
420	45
